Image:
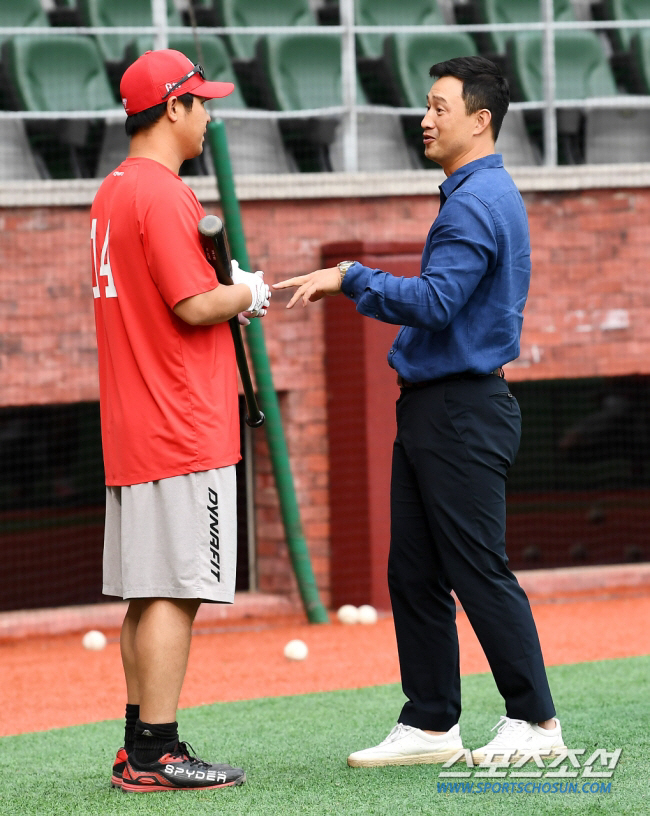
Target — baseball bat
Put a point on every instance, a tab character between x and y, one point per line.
214	242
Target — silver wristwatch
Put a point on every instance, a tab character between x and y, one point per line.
343	267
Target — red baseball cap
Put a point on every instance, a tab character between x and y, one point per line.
154	76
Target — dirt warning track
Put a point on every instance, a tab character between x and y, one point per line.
51	682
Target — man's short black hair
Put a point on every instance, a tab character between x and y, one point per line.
484	86
148	117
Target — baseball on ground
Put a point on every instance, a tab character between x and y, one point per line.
367	614
94	640
296	650
348	614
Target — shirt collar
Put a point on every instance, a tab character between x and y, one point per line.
455	179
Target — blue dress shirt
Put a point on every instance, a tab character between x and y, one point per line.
465	310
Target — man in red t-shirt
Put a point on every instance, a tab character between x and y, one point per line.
169	412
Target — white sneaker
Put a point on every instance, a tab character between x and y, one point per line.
517	737
406	745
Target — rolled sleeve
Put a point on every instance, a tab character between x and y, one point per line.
462	245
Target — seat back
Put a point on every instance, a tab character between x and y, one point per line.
260	13
107	13
390	12
302	70
513	11
57	73
381	145
614	136
410	56
22	13
255	147
625	10
640	55
213	57
16	158
514	143
581	66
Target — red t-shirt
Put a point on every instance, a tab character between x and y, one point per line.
168	390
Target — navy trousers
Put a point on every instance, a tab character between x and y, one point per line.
456	440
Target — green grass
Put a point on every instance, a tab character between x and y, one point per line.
294	751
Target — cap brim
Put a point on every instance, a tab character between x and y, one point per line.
209	90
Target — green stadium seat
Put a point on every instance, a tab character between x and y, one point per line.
581	66
304	71
260	13
218	12
640	61
625	57
410	56
621	38
301	72
509	11
21	13
392	12
108	13
371	65
581	71
59	73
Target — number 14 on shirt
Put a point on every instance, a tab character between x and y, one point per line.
104	263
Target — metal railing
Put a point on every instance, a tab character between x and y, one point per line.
349	110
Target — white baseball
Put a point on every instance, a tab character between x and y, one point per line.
94	640
348	614
296	650
367	614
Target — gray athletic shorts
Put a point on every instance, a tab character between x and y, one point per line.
173	538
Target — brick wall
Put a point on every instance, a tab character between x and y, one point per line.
588	314
47	335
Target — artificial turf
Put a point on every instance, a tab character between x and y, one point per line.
294	751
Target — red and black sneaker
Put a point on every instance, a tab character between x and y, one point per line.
178	770
118	768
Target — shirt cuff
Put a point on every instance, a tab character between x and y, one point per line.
355	280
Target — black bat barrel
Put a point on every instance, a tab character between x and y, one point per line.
214	241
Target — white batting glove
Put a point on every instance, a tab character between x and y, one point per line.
260	292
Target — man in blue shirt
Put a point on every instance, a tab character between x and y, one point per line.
458	432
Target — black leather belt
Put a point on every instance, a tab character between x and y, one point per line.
465	375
